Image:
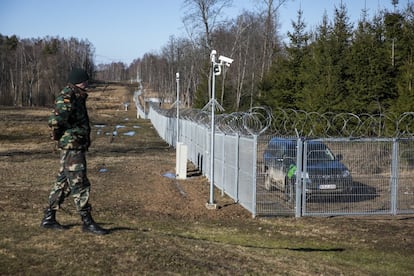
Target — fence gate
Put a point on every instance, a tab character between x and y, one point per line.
324	177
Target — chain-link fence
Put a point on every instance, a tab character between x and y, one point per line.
275	164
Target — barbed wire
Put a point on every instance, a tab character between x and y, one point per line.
291	122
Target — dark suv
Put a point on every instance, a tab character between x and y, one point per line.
323	171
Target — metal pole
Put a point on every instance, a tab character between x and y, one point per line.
213	88
394	177
210	204
299	178
177	78
215	70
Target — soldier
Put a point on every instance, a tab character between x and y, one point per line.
70	127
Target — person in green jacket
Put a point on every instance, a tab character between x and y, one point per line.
70	127
292	171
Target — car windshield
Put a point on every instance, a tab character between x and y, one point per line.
320	155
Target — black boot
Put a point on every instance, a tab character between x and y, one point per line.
89	225
49	220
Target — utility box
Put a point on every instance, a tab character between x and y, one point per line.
181	161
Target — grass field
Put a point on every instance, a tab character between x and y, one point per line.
159	225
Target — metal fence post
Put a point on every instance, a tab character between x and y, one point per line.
237	167
394	176
223	167
254	178
299	178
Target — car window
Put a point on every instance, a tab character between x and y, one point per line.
320	155
290	153
275	150
279	150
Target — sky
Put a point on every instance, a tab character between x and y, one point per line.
124	30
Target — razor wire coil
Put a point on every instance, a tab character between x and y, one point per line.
291	122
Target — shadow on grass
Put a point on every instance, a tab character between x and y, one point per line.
110	229
300	249
309	249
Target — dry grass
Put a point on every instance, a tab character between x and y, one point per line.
160	226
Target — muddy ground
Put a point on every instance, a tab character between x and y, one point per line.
160	225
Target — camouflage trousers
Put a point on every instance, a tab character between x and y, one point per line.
71	181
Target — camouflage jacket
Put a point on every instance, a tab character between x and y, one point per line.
69	119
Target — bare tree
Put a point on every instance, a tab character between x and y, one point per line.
202	17
27	65
200	21
270	13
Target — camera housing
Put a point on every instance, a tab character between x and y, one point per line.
226	60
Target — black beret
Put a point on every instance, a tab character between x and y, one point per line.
77	75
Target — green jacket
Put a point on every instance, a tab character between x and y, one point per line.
69	119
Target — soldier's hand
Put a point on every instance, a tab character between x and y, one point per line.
55	134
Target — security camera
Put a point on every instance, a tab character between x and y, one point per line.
226	60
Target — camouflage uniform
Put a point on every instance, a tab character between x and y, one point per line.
70	127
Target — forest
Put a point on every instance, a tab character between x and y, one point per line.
338	66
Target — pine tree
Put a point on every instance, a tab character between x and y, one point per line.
339	45
317	68
283	84
371	84
405	47
297	52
